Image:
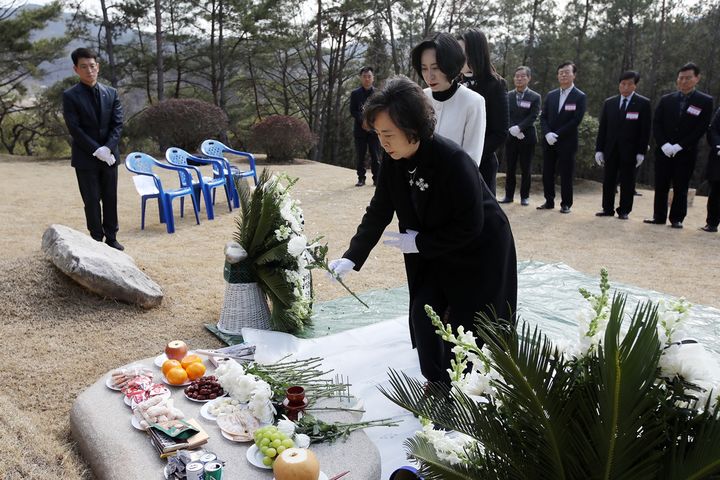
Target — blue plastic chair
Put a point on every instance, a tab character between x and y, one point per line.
206	185
216	149
143	164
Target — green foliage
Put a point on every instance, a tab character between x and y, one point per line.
183	123
603	415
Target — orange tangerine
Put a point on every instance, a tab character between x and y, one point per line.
168	364
176	376
188	359
195	370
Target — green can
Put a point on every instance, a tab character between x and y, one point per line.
213	471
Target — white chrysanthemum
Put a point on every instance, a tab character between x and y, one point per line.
301	440
475	384
289	213
690	361
296	245
286	427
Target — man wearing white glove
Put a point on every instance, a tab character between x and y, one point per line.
561	115
681	119
712	174
621	143
340	267
94	117
523	109
600	159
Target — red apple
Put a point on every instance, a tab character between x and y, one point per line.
176	350
296	464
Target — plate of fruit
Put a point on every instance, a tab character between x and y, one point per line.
269	443
180	373
204	389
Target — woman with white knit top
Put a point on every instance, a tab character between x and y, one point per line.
459	111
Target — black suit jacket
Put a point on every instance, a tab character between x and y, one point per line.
496	110
524	116
629	130
89	134
565	122
462	229
713	136
358	97
684	128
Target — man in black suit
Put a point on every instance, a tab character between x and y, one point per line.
561	115
524	107
681	119
713	176
622	141
94	117
364	139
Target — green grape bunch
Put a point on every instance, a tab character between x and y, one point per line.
271	442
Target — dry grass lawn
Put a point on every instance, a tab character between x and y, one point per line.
58	339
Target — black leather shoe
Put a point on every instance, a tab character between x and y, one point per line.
360	182
603	213
506	200
623	216
708	228
115	244
545	206
652	221
676	225
524	202
564	209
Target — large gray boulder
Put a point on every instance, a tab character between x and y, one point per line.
99	268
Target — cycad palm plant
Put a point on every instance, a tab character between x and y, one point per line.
604	414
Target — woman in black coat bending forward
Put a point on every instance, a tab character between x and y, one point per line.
458	247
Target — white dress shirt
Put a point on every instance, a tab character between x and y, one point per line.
563	96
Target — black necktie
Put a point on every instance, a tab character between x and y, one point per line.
683	103
96	101
623	107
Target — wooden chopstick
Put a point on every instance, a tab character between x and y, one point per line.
339	475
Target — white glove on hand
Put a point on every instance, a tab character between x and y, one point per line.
404	241
639	158
110	160
514	131
718	149
340	267
600	158
676	148
103	153
668	150
551	138
520	136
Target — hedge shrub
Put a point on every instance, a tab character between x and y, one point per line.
282	137
182	122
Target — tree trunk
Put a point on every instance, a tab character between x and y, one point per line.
530	46
393	46
581	34
108	26
317	123
159	52
221	56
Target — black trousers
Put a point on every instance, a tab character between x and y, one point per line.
363	143
672	172
98	188
713	204
619	169
558	160
488	170
516	152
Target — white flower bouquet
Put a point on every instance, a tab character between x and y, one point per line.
633	401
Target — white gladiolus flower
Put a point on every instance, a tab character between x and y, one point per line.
449	447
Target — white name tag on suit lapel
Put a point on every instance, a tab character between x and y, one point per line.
632	115
693	110
570	107
525	104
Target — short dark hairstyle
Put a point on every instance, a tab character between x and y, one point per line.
567	63
630	75
690	66
366	69
528	72
407	105
79	53
477	52
449	54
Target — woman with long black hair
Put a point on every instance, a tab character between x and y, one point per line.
459	112
480	76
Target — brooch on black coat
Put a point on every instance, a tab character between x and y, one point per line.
419	183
